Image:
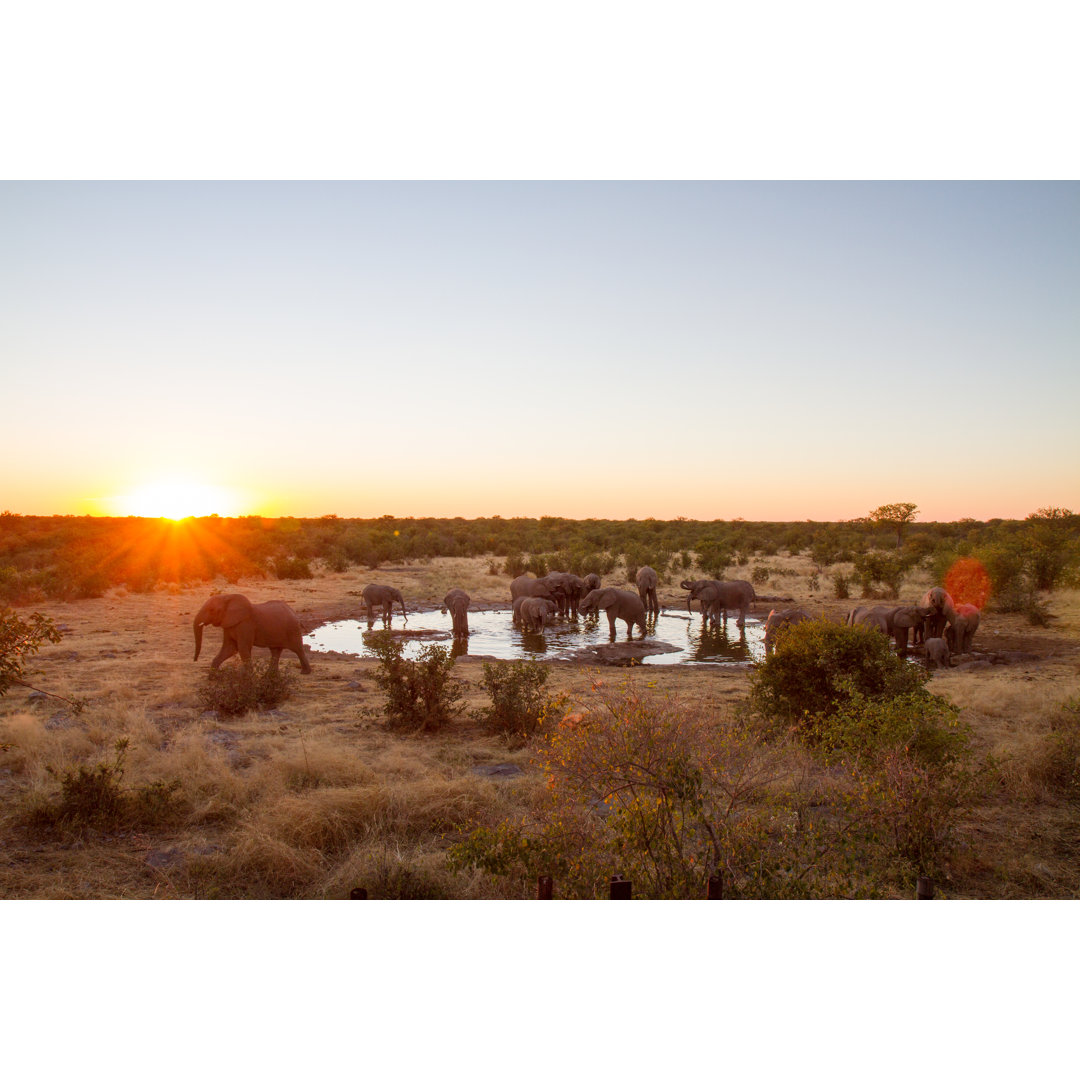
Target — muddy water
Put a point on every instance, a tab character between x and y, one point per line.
492	633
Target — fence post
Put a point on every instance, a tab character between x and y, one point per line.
620	888
543	887
924	888
358	894
716	888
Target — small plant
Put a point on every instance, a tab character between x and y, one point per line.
421	694
518	701
759	575
841	589
239	688
92	797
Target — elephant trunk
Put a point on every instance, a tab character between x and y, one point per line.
198	637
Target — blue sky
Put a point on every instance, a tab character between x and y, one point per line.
777	350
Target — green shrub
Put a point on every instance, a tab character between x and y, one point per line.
818	667
238	688
517	695
292	568
421	694
841	587
876	567
760	575
864	730
515	565
536	564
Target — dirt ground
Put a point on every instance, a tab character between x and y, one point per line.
131	656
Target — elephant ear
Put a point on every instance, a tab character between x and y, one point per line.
607	598
235	610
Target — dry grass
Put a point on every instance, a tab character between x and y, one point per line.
315	797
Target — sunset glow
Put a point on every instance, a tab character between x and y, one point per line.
176	500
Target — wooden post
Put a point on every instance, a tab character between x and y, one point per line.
620	888
543	887
716	888
924	888
358	894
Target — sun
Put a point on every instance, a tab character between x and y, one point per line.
177	499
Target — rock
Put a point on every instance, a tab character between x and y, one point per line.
503	771
60	722
627	653
159	860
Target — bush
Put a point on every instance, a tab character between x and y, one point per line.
818	667
420	694
292	568
515	565
841	588
879	567
239	688
94	798
760	575
518	701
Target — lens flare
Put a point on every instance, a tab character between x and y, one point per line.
967	582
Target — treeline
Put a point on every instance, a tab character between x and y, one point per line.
73	557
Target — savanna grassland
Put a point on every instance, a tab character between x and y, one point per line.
318	794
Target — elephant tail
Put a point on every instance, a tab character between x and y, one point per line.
198	639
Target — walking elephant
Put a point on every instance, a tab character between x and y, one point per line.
535	612
647	581
959	635
779	621
619	604
384	596
944	610
272	625
456	602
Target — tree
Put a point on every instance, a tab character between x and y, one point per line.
897	515
19	639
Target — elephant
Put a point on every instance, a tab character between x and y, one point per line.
902	619
534	612
781	620
456	601
568	590
619	604
963	628
592	581
937	652
527	585
944	610
647	581
272	625
718	597
384	596
871	618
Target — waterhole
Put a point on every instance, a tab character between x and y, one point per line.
670	638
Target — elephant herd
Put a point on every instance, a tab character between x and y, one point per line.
943	627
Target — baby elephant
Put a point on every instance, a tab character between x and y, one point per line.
534	612
937	652
456	601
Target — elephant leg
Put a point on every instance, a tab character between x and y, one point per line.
298	648
228	648
275	657
612	628
245	638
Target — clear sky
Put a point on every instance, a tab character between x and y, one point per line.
772	351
